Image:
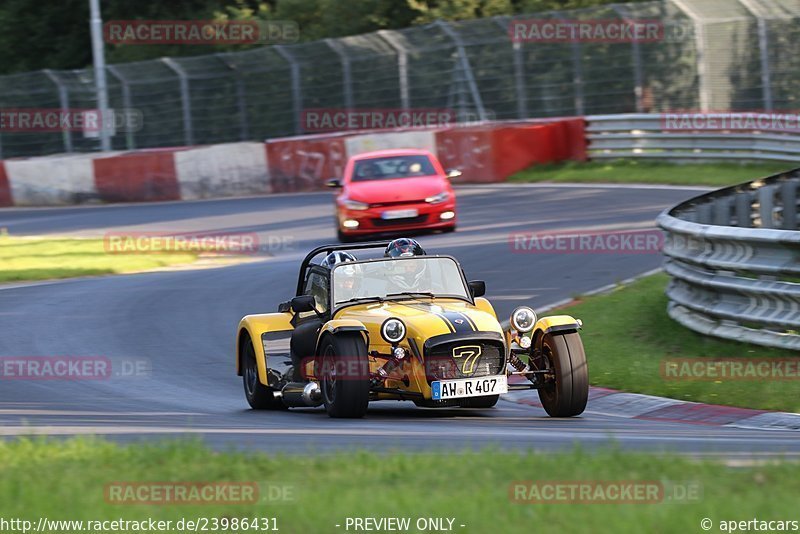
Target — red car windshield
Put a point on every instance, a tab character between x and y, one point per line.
392	167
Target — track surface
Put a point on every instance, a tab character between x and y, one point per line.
182	324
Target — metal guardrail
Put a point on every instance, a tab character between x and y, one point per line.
647	136
734	259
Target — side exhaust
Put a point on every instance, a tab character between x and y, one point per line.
301	394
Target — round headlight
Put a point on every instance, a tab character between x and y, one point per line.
393	330
523	319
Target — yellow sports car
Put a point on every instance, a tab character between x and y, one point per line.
403	326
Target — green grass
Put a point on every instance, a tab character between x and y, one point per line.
650	172
66	480
33	258
627	334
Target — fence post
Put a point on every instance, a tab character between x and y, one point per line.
347	80
130	143
763	48
766	201
700	46
577	70
63	99
186	105
297	96
241	96
465	67
402	66
636	56
519	68
789	203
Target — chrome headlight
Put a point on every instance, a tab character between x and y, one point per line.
438	199
523	319
393	330
355	205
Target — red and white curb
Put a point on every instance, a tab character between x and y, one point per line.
613	403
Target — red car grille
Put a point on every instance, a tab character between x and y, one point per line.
395	203
397	222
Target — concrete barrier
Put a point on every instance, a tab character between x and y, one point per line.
358	144
51	180
485	153
136	177
305	163
5	189
231	169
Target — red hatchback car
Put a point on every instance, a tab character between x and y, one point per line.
391	191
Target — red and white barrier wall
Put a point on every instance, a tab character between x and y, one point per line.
485	153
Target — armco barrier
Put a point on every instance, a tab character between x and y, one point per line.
734	259
649	136
488	152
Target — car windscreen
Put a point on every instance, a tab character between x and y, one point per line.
389	168
387	278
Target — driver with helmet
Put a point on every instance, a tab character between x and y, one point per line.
346	282
406	275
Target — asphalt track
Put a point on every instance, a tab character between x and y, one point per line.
181	325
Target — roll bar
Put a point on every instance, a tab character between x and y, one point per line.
327	249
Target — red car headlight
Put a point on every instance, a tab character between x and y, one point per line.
438	199
355	205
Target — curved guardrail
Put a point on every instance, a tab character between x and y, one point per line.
643	136
734	258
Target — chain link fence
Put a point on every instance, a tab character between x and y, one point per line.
715	55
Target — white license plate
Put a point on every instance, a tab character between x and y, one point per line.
469	387
399	214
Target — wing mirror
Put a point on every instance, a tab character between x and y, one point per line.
303	303
477	288
334	183
453	173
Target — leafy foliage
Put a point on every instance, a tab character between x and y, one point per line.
55	35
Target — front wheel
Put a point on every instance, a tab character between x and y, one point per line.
567	395
259	396
345	375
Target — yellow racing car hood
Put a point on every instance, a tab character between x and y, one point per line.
424	318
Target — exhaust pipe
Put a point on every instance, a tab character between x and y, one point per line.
300	394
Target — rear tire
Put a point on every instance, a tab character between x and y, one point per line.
344	396
479	402
567	396
259	396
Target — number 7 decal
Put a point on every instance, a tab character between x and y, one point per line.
470	353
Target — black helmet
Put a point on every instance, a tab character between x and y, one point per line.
337	257
403	247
